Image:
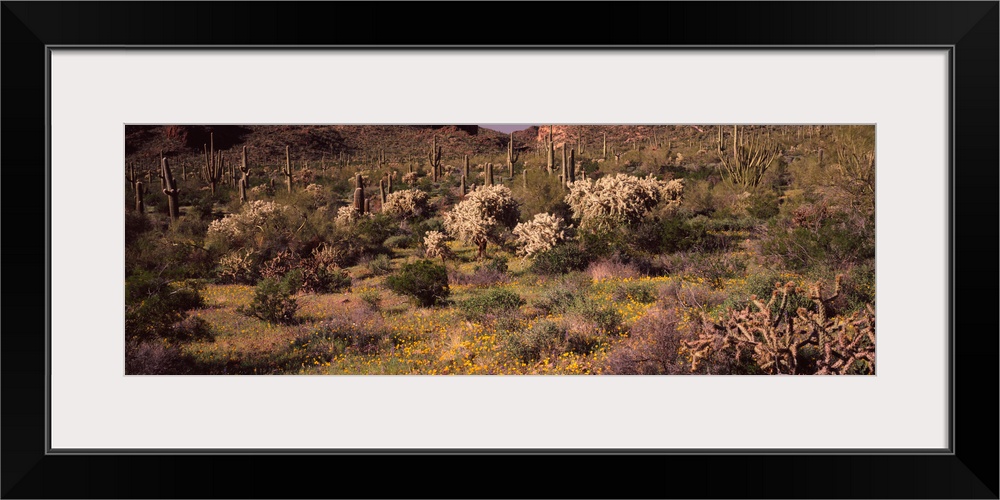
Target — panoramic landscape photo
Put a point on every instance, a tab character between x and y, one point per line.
516	249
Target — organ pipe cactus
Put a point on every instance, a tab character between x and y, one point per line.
749	158
170	189
212	171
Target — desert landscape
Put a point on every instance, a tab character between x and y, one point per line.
575	249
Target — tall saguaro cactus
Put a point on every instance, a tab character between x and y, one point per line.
434	157
749	158
511	157
140	192
287	172
551	160
465	169
245	179
488	177
170	190
604	152
130	175
213	170
359	193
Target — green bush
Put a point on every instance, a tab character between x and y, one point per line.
380	265
543	338
422	280
153	305
493	301
560	259
272	300
644	294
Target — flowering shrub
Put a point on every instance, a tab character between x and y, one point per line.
620	199
482	216
434	245
539	234
406	204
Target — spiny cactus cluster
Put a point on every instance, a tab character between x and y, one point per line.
779	341
620	199
435	247
539	234
747	159
406	204
482	216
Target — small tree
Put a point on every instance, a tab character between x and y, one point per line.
483	216
539	234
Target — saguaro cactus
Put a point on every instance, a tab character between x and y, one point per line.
434	157
551	160
464	187
130	175
488	177
212	171
140	192
604	152
381	190
465	169
287	171
511	157
245	179
170	190
359	193
571	168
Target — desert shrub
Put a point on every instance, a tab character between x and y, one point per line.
380	265
483	216
644	294
763	204
192	328
560	259
605	317
540	234
611	268
239	266
272	300
859	287
360	331
135	225
652	348
152	357
400	241
834	236
495	265
493	302
531	345
371	298
584	342
423	280
619	200
406	204
153	305
715	269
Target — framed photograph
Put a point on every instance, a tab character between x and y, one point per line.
585	235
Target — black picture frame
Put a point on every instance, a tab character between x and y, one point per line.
968	470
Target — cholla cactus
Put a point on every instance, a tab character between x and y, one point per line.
779	342
482	216
316	194
620	199
410	178
238	267
539	234
261	191
434	245
406	204
347	216
253	218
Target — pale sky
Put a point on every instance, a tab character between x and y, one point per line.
506	128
